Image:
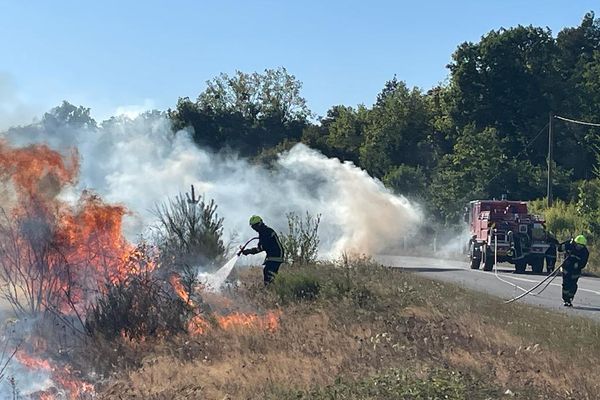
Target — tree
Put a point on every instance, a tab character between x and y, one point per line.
407	180
398	131
245	112
189	232
466	174
345	131
506	81
68	116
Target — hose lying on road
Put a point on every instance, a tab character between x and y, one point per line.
496	266
549	282
549	277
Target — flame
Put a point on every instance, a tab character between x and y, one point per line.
198	325
36	171
32	362
76	248
84	243
269	321
180	290
92	236
62	376
62	253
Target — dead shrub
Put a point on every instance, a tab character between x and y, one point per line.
137	307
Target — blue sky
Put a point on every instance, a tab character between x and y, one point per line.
124	55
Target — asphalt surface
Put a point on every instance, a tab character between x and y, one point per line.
505	283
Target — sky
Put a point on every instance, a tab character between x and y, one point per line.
127	56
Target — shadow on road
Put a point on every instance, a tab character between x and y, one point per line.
430	269
585	308
530	273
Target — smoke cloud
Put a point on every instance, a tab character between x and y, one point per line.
139	162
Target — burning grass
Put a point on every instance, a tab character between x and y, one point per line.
372	333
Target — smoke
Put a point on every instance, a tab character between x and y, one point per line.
139	162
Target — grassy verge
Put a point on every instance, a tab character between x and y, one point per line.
363	331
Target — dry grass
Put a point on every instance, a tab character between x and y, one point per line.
371	328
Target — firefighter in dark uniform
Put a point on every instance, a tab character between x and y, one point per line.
551	252
576	257
268	241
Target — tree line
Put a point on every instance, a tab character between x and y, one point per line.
482	134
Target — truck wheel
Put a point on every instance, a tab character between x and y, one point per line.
475	256
520	267
537	266
488	260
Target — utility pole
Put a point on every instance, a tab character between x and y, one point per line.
550	140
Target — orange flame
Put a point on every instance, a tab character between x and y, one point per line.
32	362
197	325
269	321
36	171
86	239
180	290
85	242
61	376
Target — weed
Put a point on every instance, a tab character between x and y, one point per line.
294	286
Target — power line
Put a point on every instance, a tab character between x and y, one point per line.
576	122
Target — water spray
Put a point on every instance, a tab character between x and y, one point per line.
215	280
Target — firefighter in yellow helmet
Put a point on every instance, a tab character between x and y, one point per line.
576	258
268	241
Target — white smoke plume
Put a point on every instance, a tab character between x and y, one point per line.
140	162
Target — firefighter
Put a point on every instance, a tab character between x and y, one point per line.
551	252
268	241
576	257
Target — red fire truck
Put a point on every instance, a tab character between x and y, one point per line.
519	237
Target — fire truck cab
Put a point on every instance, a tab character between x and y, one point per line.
504	230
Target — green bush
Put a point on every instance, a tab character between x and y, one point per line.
297	286
301	243
562	218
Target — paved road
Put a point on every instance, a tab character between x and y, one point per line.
586	303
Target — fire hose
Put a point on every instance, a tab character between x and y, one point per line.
242	248
549	278
496	265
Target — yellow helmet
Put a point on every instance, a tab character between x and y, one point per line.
581	240
255	219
